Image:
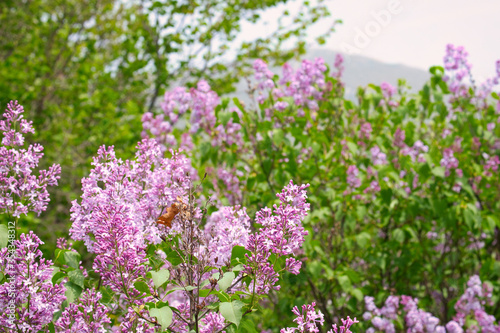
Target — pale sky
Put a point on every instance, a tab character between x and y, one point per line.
415	34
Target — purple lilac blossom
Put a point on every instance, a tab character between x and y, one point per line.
35	298
20	190
352	176
226	228
281	234
87	315
307	320
201	102
138	189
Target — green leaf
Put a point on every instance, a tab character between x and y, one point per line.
363	239
4	236
358	294
142	287
238	255
278	136
232	311
226	280
438	172
160	277
386	196
352	147
76	277
73	291
344	282
72	259
163	315
398	235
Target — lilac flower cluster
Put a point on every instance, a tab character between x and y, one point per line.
365	130
20	190
201	102
449	162
116	217
212	323
282	234
226	228
120	253
457	69
378	157
352	176
231	189
309	321
306	85
388	92
29	285
491	165
87	315
137	190
470	305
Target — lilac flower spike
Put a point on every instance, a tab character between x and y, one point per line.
88	315
20	190
35	298
307	321
281	234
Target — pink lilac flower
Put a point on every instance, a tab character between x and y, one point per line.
339	66
308	320
87	315
491	165
35	298
231	185
212	323
365	131
470	305
399	138
281	234
226	228
201	102
373	188
280	106
449	162
378	157
20	190
389	91
352	176
306	85
457	67
346	326
415	152
139	189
